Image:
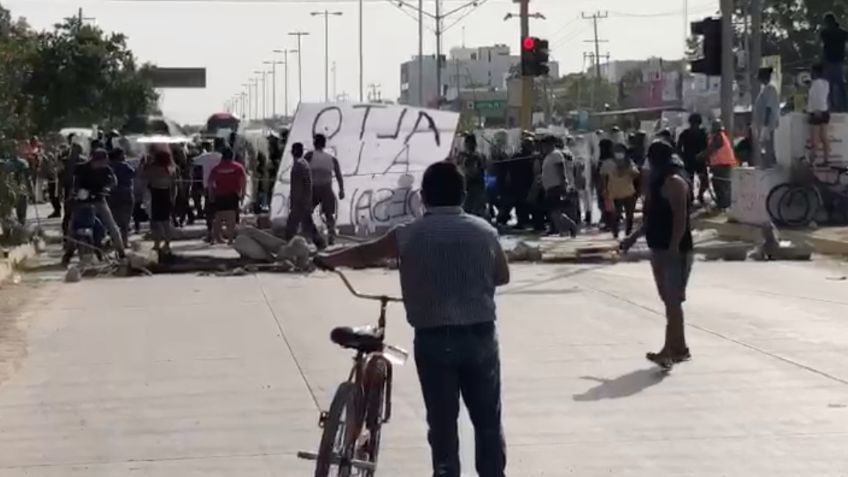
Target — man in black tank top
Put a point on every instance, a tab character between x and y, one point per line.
669	235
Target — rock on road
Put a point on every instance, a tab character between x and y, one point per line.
201	376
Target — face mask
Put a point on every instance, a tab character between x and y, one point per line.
619	155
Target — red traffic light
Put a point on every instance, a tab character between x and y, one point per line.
529	44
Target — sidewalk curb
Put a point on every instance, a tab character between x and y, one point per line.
12	257
818	238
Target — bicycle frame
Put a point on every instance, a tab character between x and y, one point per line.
367	378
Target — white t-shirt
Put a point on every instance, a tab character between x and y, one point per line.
208	160
819	92
553	170
322	165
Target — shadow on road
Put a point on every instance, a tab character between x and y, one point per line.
622	386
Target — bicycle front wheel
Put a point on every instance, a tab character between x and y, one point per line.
338	440
375	409
798	206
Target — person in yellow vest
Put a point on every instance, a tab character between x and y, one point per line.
722	160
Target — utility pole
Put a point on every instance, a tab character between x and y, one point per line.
438	53
299	50
727	65
755	60
420	53
595	17
334	82
526	117
326	14
243	97
274	64
361	56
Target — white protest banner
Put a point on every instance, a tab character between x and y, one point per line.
382	150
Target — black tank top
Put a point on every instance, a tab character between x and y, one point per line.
659	219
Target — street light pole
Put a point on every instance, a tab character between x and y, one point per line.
361	55
299	50
286	80
264	101
274	64
326	14
249	96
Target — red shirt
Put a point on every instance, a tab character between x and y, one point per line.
227	178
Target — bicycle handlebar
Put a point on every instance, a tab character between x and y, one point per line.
383	298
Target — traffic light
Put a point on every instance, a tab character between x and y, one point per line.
710	61
535	55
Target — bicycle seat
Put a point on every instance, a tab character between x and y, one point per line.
365	339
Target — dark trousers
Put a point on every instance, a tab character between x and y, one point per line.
456	361
624	209
834	73
53	195
122	211
721	185
301	218
517	199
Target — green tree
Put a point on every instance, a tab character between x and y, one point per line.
791	28
82	76
575	92
17	48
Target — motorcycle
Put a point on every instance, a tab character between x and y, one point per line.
87	231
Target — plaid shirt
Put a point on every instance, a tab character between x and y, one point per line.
447	268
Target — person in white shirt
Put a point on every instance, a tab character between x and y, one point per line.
819	111
766	117
555	185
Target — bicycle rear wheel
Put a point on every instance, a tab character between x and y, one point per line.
798	207
375	402
338	440
773	201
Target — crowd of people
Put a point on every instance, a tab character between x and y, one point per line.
556	185
169	186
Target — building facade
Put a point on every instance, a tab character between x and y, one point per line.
485	67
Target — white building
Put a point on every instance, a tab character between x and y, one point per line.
483	67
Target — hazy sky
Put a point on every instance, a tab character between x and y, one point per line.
232	38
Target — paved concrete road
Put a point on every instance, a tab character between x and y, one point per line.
200	376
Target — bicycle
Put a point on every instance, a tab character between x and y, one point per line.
363	403
797	205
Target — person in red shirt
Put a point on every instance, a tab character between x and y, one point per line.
226	189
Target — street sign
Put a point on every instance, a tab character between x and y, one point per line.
490	106
176	77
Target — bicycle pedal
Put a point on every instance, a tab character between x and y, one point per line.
322	418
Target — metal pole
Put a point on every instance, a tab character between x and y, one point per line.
326	56
420	52
756	60
286	88
273	89
299	35
756	53
727	66
335	91
361	55
438	54
525	118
